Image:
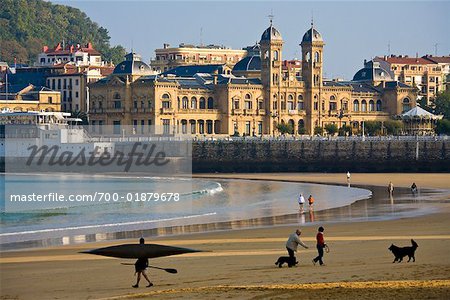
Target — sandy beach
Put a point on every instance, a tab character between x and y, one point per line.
241	262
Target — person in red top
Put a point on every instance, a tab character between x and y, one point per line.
320	245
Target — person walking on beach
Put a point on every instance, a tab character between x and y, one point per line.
140	265
391	188
301	203
348	178
311	202
414	188
320	245
292	245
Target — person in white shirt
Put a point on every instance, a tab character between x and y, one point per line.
348	178
292	245
301	202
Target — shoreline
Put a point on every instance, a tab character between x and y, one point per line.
328	215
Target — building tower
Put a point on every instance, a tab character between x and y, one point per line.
312	59
271	63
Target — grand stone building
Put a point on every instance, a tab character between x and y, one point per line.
221	104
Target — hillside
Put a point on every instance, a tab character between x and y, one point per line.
27	25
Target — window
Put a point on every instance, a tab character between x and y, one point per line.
317	57
50	100
236	104
201	127
116	96
307	56
371	105
406	104
260	105
76	81
193	103
283	105
248	104
202	103
356	105
185	103
291	105
260	127
316	105
275	105
209	127
300	105
247	128
275	55
333	106
116	127
76	94
364	105
378	105
135	104
166	126
247	97
117	104
210	103
166	104
183	126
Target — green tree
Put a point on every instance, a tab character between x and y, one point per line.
393	127
331	128
318	130
344	130
372	127
443	127
284	128
442	104
35	23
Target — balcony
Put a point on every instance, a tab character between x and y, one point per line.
292	112
198	111
114	110
236	111
167	111
261	112
141	110
249	111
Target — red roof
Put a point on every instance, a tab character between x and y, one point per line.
438	59
58	50
403	60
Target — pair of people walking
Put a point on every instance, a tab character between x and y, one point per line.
301	202
294	240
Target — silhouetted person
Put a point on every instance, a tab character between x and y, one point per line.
140	265
391	188
320	245
414	188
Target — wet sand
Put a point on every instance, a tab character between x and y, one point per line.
241	264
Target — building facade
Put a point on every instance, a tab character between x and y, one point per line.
23	98
168	57
221	104
80	55
428	74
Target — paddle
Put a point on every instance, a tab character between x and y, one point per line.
168	270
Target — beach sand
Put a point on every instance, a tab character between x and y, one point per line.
241	264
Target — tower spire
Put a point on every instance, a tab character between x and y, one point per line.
271	16
312	18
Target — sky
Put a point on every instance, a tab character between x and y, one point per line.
352	31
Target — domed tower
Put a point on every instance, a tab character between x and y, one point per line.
312	55
271	46
312	59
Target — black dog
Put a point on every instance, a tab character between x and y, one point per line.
285	259
400	252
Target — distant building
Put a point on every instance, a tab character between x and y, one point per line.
76	54
68	70
444	63
29	98
171	57
223	104
424	73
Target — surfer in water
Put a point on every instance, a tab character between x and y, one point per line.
140	265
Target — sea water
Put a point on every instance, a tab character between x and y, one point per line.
199	201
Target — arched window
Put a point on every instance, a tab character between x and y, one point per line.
290	98
371	105
275	55
364	105
248	97
210	103
193	103
317	57
116	96
356	105
406	104
379	105
300	103
165	97
202	103
185	103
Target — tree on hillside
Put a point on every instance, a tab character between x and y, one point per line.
31	24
